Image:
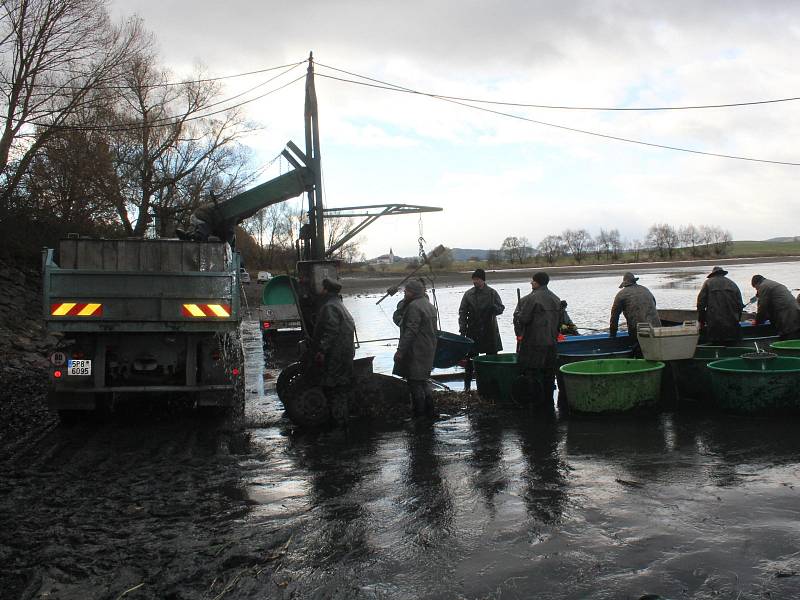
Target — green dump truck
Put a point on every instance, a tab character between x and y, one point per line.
153	316
142	316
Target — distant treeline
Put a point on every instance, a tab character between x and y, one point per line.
662	240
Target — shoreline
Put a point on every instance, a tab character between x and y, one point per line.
362	282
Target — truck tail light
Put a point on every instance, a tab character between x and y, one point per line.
57	373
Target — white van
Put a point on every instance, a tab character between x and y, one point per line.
263	276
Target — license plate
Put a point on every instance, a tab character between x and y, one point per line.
79	367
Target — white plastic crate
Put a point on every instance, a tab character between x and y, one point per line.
668	343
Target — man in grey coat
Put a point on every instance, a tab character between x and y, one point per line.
636	303
776	304
333	342
477	319
719	309
417	347
536	323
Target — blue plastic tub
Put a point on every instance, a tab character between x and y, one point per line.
450	348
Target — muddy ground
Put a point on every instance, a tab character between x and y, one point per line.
158	501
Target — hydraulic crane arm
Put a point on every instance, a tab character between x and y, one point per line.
244	205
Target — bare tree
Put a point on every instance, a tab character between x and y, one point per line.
551	247
663	238
691	238
56	57
615	243
337	230
636	247
514	248
603	244
718	239
576	242
162	142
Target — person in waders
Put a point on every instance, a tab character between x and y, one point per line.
477	320
776	304
536	322
719	309
417	347
334	345
637	304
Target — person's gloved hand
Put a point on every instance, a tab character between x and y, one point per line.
319	359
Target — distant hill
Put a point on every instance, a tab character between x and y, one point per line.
784	239
463	254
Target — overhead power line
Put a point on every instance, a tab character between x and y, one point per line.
395	88
392	86
166	121
170	83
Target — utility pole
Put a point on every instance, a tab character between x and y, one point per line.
316	219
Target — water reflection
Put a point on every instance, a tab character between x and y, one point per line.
336	464
427	501
544	476
489	476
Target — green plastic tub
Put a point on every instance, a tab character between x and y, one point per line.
278	291
495	375
692	378
786	348
757	386
612	385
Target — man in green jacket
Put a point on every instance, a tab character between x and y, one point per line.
719	309
637	304
333	339
477	319
536	322
776	304
417	347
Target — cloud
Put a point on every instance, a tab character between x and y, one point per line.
499	176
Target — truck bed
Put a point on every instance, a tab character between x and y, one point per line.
141	286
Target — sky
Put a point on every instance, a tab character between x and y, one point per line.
497	176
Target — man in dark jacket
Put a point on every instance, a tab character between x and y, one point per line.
333	339
536	322
636	303
477	319
776	304
417	346
719	309
566	326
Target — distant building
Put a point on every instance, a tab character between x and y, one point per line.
383	259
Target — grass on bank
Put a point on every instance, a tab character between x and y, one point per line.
742	249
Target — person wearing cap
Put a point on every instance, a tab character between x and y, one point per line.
477	320
333	342
776	304
719	309
536	323
417	346
566	326
636	303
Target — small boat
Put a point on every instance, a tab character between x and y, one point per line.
762	334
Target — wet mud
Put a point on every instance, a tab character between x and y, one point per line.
487	502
